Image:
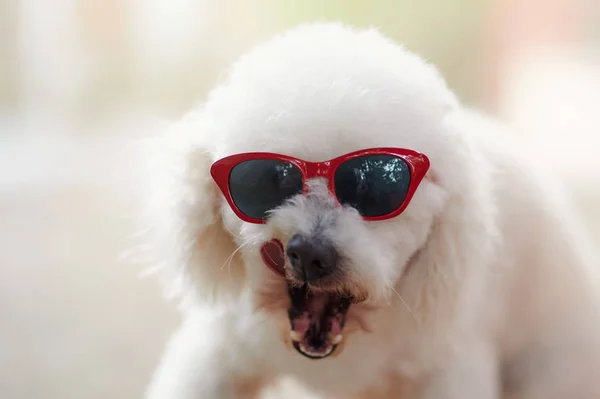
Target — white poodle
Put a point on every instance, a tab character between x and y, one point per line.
332	214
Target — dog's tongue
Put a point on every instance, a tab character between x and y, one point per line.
273	256
316	321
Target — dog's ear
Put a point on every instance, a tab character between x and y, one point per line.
450	270
185	236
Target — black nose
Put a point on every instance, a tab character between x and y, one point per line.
311	259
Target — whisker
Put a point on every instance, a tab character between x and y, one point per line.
388	300
230	232
271	258
405	304
230	257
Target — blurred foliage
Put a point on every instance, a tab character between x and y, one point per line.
446	33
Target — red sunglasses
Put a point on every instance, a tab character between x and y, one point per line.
378	182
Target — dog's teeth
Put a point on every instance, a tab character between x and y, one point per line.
316	354
337	339
296	336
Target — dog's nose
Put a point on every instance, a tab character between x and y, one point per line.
312	259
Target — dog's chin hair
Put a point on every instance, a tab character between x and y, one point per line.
273	296
347	287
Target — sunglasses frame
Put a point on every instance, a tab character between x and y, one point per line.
417	163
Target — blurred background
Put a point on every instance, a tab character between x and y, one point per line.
81	80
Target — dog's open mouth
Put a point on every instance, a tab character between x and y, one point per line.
316	321
317	317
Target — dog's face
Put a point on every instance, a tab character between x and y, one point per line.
331	259
317	93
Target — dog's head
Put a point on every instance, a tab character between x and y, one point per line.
314	93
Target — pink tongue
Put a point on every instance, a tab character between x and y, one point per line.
273	256
314	305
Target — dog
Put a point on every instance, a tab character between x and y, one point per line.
332	214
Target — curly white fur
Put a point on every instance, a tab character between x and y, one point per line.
483	287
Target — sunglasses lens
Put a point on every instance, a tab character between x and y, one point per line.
261	185
375	185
